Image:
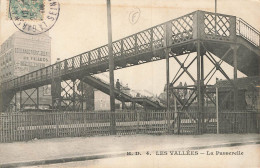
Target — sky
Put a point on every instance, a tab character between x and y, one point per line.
82	26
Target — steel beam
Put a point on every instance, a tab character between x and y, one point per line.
185	69
214	62
29	96
234	48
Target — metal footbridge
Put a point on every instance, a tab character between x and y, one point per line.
228	37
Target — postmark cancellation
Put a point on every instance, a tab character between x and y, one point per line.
33	16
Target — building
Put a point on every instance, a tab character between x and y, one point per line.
248	93
22	53
102	101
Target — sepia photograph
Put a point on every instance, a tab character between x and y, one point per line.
129	83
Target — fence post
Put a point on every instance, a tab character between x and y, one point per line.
138	120
176	117
247	131
235	123
168	122
176	123
85	123
1	128
217	110
11	118
57	124
24	125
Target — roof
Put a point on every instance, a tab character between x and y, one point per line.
241	83
20	33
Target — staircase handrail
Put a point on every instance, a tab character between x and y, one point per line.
248	32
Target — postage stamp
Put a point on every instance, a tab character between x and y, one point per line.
34	16
27	9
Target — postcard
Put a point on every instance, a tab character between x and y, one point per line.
110	83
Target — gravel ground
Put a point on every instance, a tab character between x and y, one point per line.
72	147
249	159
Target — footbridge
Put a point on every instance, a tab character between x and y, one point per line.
228	37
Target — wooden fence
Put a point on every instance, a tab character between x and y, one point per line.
30	125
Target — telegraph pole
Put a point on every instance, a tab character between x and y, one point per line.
215	18
215	6
111	70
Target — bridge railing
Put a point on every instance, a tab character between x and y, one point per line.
216	26
248	32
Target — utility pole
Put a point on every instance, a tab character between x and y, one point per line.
215	6
215	18
111	70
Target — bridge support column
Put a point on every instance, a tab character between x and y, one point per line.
73	95
123	104
37	98
168	43
82	94
145	106
235	48
167	52
15	102
200	87
21	100
133	105
56	93
202	92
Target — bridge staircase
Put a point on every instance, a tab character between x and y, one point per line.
123	95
